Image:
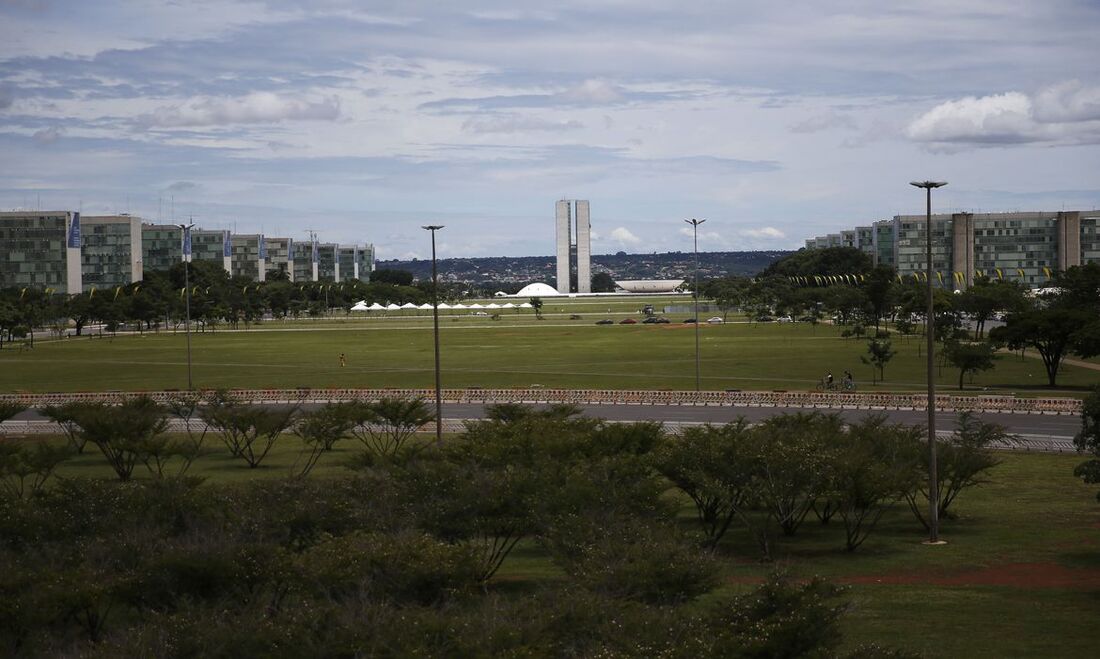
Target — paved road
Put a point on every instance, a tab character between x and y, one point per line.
1039	432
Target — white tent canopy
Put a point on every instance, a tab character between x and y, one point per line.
525	305
425	306
459	306
376	307
360	306
408	305
475	305
508	305
392	307
492	305
444	305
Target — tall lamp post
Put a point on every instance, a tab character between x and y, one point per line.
185	229
695	292
435	333
929	331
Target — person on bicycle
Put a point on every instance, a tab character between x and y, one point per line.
829	380
848	382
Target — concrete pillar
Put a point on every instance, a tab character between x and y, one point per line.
563	240
74	278
962	248
584	248
1069	239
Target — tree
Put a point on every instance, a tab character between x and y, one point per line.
64	415
385	426
392	276
319	430
714	468
961	462
879	353
1088	439
1052	332
872	469
248	431
25	467
986	297
123	433
603	283
971	358
879	291
827	261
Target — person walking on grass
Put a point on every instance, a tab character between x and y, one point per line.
343	360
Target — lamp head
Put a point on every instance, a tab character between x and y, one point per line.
432	227
928	185
694	222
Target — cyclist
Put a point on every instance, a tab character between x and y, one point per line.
849	384
829	380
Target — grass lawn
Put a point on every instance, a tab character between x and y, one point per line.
516	351
1020	575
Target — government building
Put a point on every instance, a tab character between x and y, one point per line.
1026	247
69	253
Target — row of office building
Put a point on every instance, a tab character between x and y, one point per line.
71	253
1025	247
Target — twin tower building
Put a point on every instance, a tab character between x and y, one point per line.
574	246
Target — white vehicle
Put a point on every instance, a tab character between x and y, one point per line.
716	320
784	319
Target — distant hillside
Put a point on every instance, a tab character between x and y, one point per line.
527	269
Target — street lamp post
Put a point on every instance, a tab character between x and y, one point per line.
435	333
695	292
185	228
929	331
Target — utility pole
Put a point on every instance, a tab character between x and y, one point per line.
435	333
929	331
186	229
695	293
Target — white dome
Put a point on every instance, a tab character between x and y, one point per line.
649	285
537	290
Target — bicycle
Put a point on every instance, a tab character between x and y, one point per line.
825	385
848	385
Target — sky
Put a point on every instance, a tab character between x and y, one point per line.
362	121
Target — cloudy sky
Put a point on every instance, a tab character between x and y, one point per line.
775	121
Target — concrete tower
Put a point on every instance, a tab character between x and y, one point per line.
565	211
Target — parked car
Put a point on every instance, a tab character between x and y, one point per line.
628	321
605	321
764	319
784	319
689	320
663	321
716	320
807	319
650	320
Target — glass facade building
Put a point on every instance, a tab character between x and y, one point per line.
41	249
212	246
248	256
1026	247
279	256
303	261
161	246
327	262
110	251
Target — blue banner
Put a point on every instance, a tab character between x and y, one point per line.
187	242
263	248
227	244
74	231
289	249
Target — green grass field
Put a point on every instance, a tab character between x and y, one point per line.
516	351
1020	575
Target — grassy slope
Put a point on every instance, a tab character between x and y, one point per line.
514	352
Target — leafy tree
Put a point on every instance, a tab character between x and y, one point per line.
986	297
26	467
879	353
603	283
1052	332
872	469
124	433
962	462
9	408
1088	439
971	358
65	415
385	426
827	261
392	276
248	431
879	292
714	467
319	430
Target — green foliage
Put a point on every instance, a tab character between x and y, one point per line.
9	408
1088	439
392	276
971	358
64	415
879	353
319	431
385	426
827	261
25	467
603	283
248	431
126	434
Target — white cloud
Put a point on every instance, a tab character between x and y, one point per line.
820	122
514	123
624	236
591	92
764	232
1066	113
258	107
48	135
